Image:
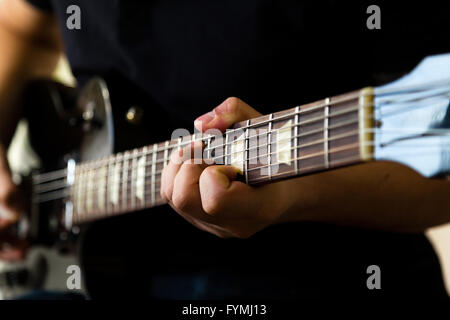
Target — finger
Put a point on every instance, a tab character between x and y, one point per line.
177	158
232	110
12	254
186	194
216	184
220	192
169	173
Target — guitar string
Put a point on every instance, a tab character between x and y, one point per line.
397	88
315	131
62	184
378	92
146	183
44	176
47	187
318	154
303	145
123	207
213	148
94	186
63	193
245	160
60	174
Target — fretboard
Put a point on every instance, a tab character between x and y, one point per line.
327	134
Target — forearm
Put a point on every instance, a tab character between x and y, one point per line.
26	53
377	195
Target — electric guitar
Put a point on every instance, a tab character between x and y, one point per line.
406	121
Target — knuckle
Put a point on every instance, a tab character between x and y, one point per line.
207	173
234	104
176	157
181	200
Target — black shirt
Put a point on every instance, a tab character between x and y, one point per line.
187	57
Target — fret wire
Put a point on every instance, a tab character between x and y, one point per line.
168	147
304	134
166	153
99	196
108	191
146	153
84	184
179	143
226	148
117	179
247	154
208	148
338	149
299	124
325	133
80	193
155	152
352	146
83	179
314	167
296	139
269	149
356	95
125	179
149	163
312	109
94	194
334	138
320	141
50	175
133	179
62	194
300	158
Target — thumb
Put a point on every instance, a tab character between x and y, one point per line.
219	188
225	115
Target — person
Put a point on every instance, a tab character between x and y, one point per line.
229	240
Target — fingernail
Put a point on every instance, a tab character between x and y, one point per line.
206	118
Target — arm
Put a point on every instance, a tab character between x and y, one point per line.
379	195
374	195
30	47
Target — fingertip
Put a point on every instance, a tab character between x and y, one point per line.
201	122
198	124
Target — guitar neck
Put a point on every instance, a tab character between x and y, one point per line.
319	136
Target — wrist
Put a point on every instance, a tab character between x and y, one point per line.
301	200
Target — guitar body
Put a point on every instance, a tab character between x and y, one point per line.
80	125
